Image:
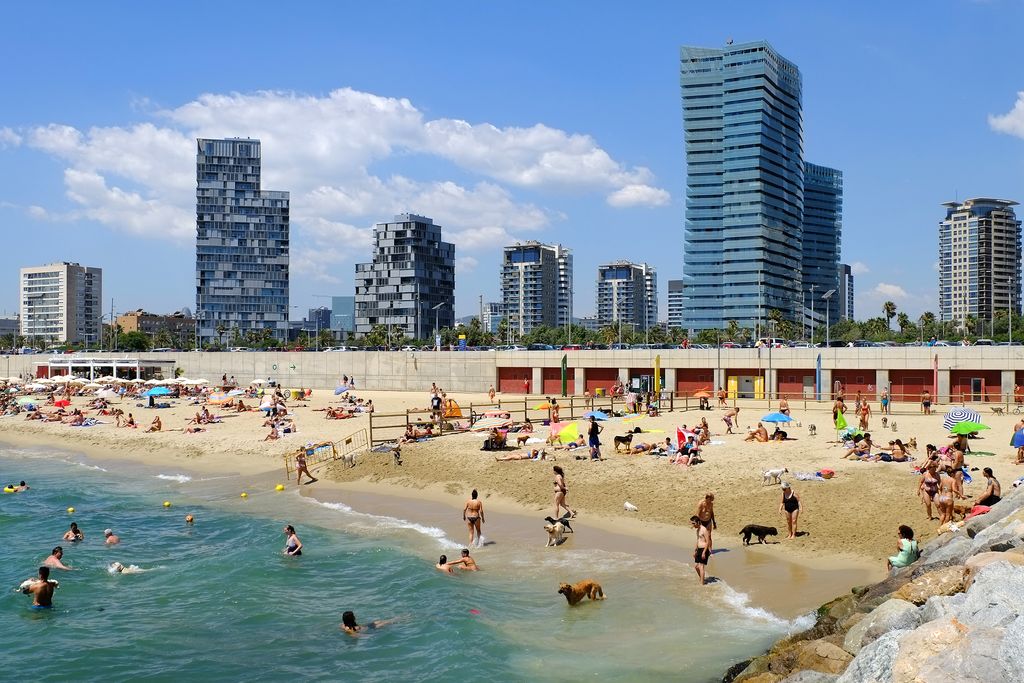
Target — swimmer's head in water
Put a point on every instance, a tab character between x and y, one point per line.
465	552
116	567
189	519
108	532
348	619
443	560
58	551
44	572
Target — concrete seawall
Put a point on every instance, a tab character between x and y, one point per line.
950	373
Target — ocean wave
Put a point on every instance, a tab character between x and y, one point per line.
376	522
86	465
180	478
740	602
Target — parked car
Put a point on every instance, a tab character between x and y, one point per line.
572	347
984	342
540	347
618	347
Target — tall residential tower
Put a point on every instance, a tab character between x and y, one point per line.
62	303
979	259
627	294
744	157
822	235
536	286
242	243
411	282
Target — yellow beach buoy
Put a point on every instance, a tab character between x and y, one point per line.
167	503
244	494
279	487
71	511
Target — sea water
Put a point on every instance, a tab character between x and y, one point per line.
218	601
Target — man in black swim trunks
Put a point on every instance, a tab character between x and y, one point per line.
702	552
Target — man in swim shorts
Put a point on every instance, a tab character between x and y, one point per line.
111	537
702	552
42	590
54	560
443	565
466	562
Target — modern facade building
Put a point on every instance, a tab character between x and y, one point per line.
176	324
627	294
61	303
845	303
821	236
10	324
411	282
743	127
494	312
343	314
979	259
317	319
675	304
536	286
242	242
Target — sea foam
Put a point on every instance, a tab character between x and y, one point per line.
180	478
374	522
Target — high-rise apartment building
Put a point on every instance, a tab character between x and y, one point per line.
343	313
627	293
845	293
822	235
744	157
536	286
979	259
675	304
62	303
411	282
242	246
493	313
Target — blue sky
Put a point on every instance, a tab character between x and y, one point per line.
558	121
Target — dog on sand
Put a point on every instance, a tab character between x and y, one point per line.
912	444
811	430
575	592
757	530
774	476
521	439
885	422
557	528
893	425
623	441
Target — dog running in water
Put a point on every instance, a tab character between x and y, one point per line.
575	592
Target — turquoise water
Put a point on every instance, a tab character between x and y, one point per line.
218	601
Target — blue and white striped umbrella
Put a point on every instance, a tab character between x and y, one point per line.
960	415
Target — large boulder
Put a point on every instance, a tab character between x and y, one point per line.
921	644
891	615
946	581
1011	654
955	551
1002	535
810	677
873	664
975	564
938	606
946	650
994	600
1000	511
818	655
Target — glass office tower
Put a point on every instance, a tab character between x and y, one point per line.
744	197
822	234
241	244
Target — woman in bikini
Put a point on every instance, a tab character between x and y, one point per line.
957	470
473	516
560	491
928	486
944	498
791	507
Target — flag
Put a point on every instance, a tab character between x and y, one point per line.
565	374
657	375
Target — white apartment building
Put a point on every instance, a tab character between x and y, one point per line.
627	293
536	286
61	303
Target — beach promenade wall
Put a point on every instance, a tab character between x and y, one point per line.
952	374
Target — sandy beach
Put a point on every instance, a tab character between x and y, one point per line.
850	521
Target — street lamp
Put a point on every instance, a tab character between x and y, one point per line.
1010	316
812	314
437	323
827	296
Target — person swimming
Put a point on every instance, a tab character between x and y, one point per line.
349	625
293	546
74	534
41	590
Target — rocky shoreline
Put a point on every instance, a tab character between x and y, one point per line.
957	614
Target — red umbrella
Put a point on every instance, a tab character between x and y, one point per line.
63	403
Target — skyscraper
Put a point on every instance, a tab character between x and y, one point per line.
62	302
536	286
242	245
822	235
979	259
845	293
743	126
675	304
627	293
411	282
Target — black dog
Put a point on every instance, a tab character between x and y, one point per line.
564	519
757	530
623	441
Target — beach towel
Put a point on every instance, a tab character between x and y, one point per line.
808	476
978	510
840	422
384	448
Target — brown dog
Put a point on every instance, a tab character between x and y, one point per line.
587	588
522	439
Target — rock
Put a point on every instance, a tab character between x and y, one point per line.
976	563
818	655
838	609
955	551
764	677
994	599
946	581
735	671
810	677
891	615
756	666
1010	652
918	646
938	606
873	664
947	650
883	589
999	512
851	621
1008	532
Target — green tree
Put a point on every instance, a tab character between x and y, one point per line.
134	341
732	330
163	339
889	310
326	338
221	331
378	335
503	330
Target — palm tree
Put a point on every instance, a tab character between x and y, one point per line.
903	320
221	330
889	309
732	330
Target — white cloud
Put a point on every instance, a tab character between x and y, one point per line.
859	268
466	264
1012	122
892	291
638	195
8	138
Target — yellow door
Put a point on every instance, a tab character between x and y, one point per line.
759	386
732	385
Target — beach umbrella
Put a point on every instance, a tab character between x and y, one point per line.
967	427
76	380
151	382
542	406
107	394
201	380
236	392
596	414
15	380
567	433
340	390
158	391
36	387
63	403
960	415
486	423
776	417
93	385
258	381
702	394
25	400
1018	439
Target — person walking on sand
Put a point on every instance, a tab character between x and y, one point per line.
301	468
790	505
731	416
560	490
473	516
706	512
490	393
885	402
926	402
722	396
593	440
865	415
702	553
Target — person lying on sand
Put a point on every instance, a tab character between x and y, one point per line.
760	434
641	447
581	442
525	455
193	430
